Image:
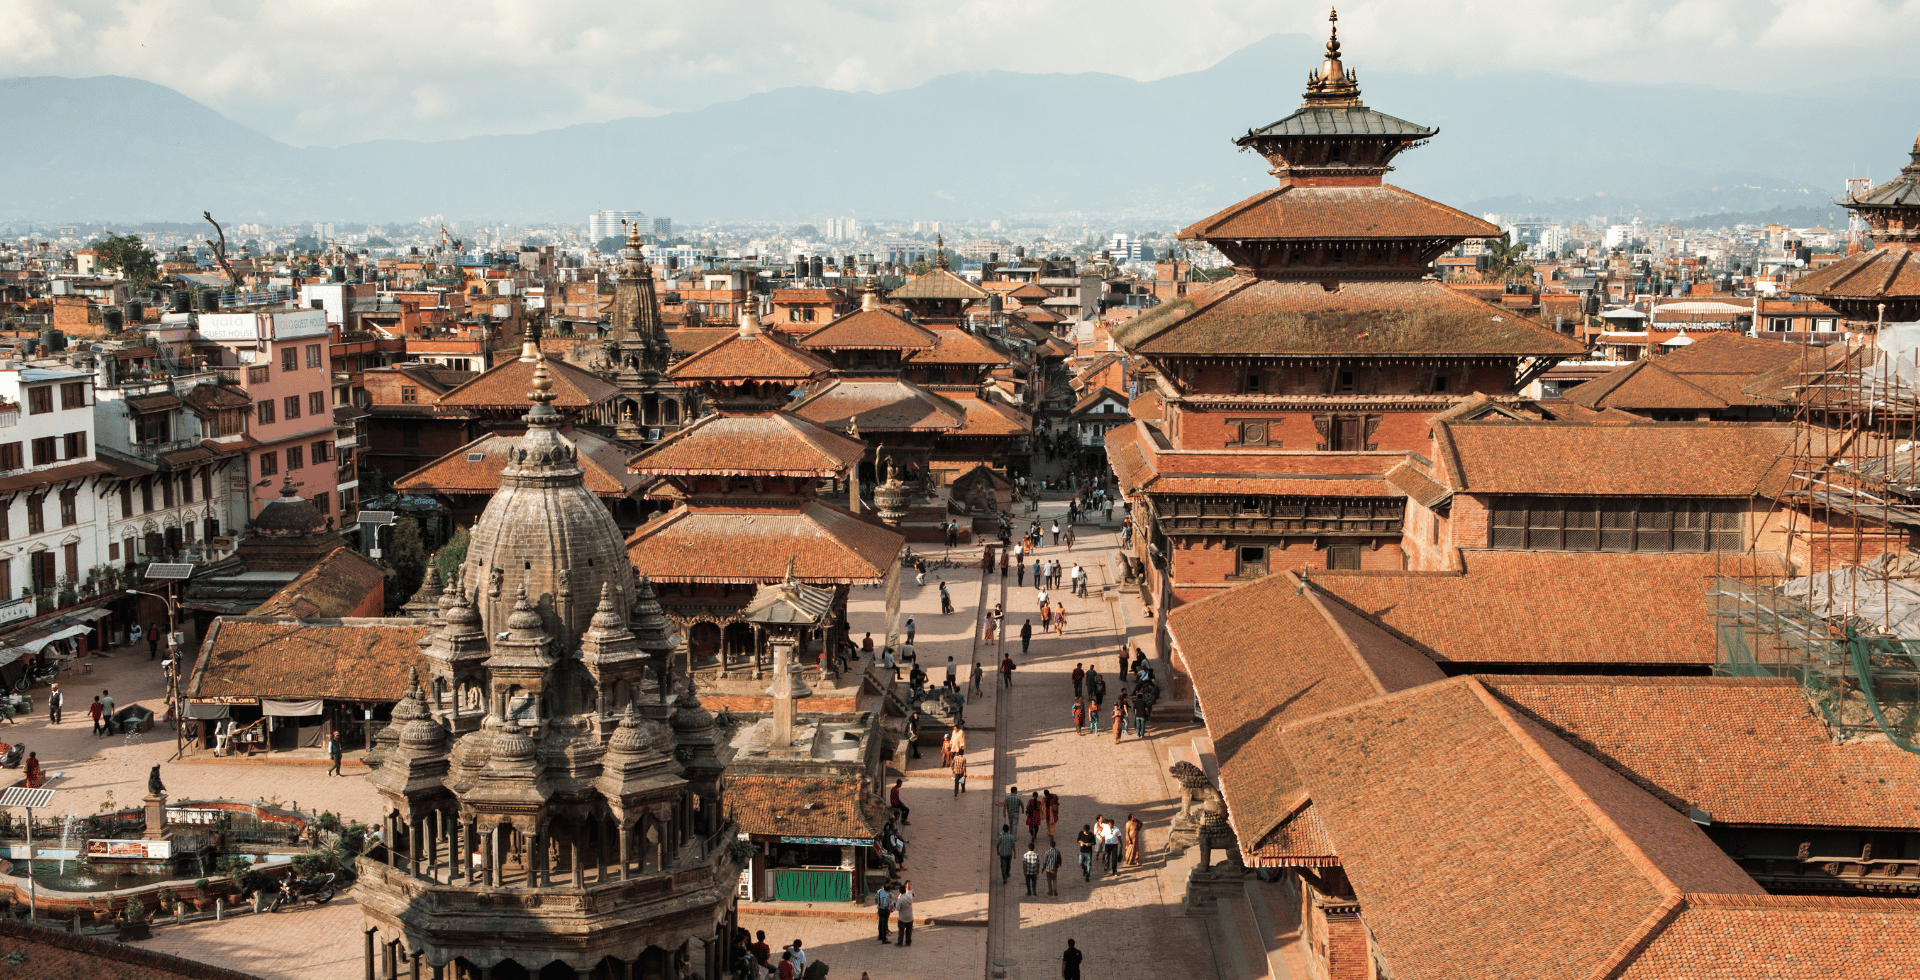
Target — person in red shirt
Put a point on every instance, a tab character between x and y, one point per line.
786	966
893	800
1034	817
762	951
1006	671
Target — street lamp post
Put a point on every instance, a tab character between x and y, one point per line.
173	669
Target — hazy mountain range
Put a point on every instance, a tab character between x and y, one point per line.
966	146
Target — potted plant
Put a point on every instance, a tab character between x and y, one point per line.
133	922
202	896
102	910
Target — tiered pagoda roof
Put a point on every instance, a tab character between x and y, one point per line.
773	444
870	328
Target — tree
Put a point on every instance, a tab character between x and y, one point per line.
450	556
408	561
1508	259
129	256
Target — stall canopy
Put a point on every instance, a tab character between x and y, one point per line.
207	712
290	709
38	644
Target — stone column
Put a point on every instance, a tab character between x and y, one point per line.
369	938
156	817
415	829
626	852
579	874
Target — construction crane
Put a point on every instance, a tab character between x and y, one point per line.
449	242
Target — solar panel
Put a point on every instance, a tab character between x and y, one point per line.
168	571
22	796
476	457
375	517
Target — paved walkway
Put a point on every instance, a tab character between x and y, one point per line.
1129	924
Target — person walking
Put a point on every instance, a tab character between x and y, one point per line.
1060	619
1006	671
1026	635
1079	717
1056	532
1079	676
1011	805
946	600
1086	852
1119	718
1139	712
1046	618
54	700
1070	963
987	627
959	773
334	751
953	672
1004	843
34	777
93	711
903	911
1030	868
1036	814
911	628
1135	835
1051	804
106	711
1036	574
1110	848
1069	537
883	907
153	642
946	750
1050	863
1019	573
978	676
1003	569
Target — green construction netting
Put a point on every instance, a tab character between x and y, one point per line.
1861	684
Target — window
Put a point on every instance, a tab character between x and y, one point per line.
313	355
73	394
76	444
1346	381
11	457
291	406
126	500
1439	383
316	402
36	513
6	576
1780	324
323	503
206	485
294	458
6	527
146	497
1661	524
409	395
265	408
154	426
186	489
290	359
321	451
257	374
213	528
69	508
1344	556
166	492
46	450
269	463
346	501
40	400
1250	561
72	555
1824	325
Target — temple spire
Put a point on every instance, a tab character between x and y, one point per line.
1333	84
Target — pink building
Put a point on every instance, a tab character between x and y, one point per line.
281	359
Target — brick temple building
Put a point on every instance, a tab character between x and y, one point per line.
1275	402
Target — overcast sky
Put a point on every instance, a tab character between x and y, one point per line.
339	71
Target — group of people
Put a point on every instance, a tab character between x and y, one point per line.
1130	710
753	959
1109	843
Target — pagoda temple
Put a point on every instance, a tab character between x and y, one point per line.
1882	284
1277	401
638	348
753	488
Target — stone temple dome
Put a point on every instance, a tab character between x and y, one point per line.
288	515
546	531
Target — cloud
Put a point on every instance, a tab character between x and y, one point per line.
338	71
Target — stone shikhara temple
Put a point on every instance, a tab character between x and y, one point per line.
554	801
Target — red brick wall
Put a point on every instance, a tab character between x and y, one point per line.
1467	520
70	313
1393	379
1348	955
1397	432
1210	561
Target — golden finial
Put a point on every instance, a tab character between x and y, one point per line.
542	382
1333	33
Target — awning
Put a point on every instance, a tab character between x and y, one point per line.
93	615
290	709
10	654
61	634
207	712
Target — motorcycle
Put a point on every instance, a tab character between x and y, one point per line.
317	889
43	674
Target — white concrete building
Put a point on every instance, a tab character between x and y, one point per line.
51	527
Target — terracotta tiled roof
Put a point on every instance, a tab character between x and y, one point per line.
870	330
1097	394
1267	653
805	806
778	444
794	294
434	377
1143	466
692	340
603	463
714	543
54	475
1644	385
1036	314
1250	316
1417	485
218	396
332	588
1566	411
154	403
986	416
505	386
1890	270
1378	211
286	659
1030	290
1670	459
953	345
1740	937
759	357
1652	610
1745	750
938	284
881	406
1724	352
1149	407
1409	784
